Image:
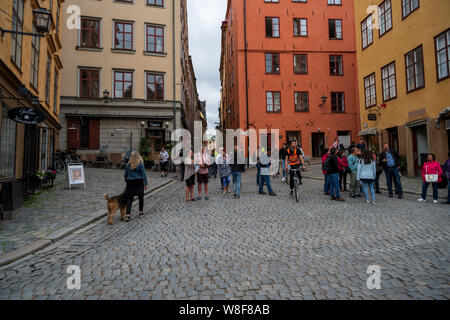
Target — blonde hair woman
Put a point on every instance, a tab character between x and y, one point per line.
136	180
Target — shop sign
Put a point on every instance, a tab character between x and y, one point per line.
26	115
153	124
372	117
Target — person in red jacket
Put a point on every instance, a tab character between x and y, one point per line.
431	167
326	186
343	167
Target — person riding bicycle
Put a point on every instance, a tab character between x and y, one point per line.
295	160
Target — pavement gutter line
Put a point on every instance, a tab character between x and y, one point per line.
57	235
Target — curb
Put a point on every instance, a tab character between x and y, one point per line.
57	235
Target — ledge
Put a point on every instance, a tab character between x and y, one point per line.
154	54
88	49
123	51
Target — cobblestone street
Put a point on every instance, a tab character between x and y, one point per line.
257	247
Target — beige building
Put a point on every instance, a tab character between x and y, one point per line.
30	69
123	77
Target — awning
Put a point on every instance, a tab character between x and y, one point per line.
367	132
444	112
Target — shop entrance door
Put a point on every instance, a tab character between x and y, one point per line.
31	158
393	138
156	140
420	148
318	143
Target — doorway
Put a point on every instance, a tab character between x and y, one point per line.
344	138
318	143
31	157
156	141
420	147
393	138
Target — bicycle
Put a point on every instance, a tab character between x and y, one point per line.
296	181
62	158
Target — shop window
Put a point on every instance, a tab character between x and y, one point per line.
7	145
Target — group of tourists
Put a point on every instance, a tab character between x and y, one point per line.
363	166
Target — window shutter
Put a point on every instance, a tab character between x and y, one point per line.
73	141
94	134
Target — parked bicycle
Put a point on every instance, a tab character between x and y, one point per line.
64	157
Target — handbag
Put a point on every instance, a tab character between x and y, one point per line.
431	178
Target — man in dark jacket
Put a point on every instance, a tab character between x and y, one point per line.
390	161
332	169
237	167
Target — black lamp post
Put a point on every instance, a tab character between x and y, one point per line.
42	19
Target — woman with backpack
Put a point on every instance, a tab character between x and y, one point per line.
431	173
367	173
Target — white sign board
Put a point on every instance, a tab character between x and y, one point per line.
76	174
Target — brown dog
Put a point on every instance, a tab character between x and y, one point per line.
115	203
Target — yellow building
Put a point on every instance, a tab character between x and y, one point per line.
123	76
403	71
29	78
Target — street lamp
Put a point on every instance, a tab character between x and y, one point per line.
42	18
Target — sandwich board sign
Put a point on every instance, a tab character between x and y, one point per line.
76	174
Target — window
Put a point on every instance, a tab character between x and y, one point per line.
58	17
367	32
272	27
159	3
337	102
272	63
414	69
302	1
335	29
89	83
300	63
43	148
55	92
385	16
34	69
275	1
409	6
443	55
90	33
389	82
48	78
273	101
83	133
123	35
123	84
155	39
16	39
7	145
300	27
301	101
155	86
336	66
370	91
334	2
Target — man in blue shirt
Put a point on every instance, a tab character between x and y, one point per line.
390	161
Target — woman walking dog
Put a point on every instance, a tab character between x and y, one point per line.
136	180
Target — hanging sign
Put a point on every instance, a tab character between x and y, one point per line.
372	117
26	115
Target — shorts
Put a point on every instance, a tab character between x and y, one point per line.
190	181
202	178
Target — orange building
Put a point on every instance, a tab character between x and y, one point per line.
291	65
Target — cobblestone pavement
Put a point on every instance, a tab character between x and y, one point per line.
257	247
57	207
409	184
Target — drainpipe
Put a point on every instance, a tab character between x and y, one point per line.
246	80
174	68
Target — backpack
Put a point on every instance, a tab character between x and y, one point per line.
326	164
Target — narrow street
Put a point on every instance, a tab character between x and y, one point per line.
257	247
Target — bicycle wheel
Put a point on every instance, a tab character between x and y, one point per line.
60	167
296	189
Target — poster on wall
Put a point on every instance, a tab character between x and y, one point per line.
76	174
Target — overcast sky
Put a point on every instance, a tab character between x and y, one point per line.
205	18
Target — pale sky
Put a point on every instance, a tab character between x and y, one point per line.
205	18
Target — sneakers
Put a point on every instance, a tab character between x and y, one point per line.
435	201
284	179
368	202
262	192
333	198
421	200
374	202
224	191
272	194
340	199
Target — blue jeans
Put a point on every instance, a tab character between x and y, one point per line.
393	174
225	181
237	183
283	164
377	183
265	179
334	185
425	188
326	185
366	186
